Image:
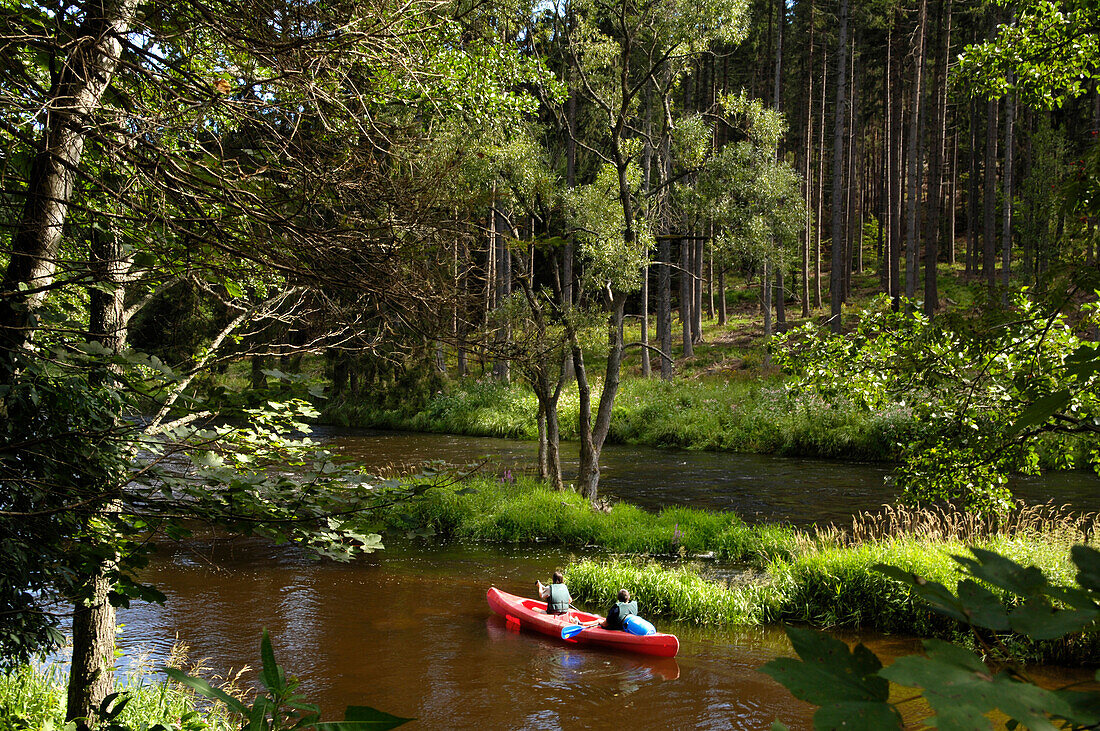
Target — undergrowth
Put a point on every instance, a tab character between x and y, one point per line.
33	698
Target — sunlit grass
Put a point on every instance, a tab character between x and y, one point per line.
829	579
711	413
526	511
34	697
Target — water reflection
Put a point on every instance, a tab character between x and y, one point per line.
412	633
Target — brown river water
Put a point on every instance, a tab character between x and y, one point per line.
408	630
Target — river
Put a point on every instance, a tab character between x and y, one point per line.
408	630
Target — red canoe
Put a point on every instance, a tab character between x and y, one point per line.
531	614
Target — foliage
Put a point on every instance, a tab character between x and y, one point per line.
753	197
598	215
960	689
709	414
32	698
680	593
84	484
980	391
1048	52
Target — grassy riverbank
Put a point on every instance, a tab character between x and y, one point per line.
727	415
823	578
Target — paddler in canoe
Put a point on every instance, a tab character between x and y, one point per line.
556	594
616	616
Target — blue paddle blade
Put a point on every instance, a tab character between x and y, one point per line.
571	630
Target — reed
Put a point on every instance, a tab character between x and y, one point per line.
946	523
679	593
828	582
33	697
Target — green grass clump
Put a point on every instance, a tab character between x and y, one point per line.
679	593
34	698
524	510
835	586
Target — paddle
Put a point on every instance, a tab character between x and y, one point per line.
572	630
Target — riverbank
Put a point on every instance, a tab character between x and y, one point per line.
757	416
823	577
34	697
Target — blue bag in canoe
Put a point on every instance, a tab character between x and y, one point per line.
635	625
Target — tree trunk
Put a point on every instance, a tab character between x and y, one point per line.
1006	231
543	463
953	197
91	677
850	182
972	195
35	242
766	292
897	175
989	195
836	281
722	319
664	305
697	292
685	297
935	172
886	275
807	175
593	434
912	213
820	218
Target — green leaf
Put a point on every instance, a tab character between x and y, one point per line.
1087	560
961	689
829	672
203	688
364	718
1040	621
1084	362
233	289
144	260
856	716
1003	572
981	607
933	592
1040	410
272	673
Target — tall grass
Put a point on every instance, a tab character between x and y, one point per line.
34	697
828	580
524	510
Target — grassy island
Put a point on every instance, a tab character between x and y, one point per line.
712	568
